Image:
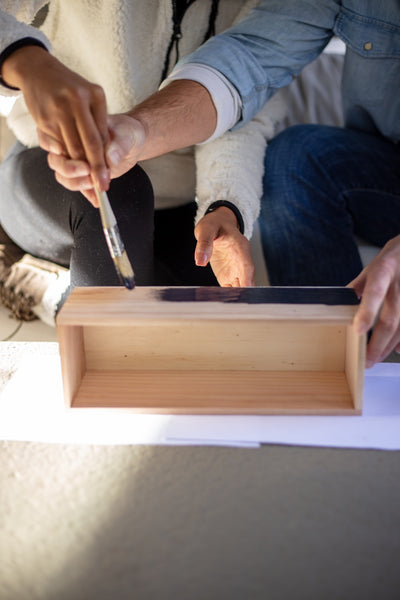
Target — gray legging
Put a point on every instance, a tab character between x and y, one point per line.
52	223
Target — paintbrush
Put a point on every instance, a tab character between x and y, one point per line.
114	241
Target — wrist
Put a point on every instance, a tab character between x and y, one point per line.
141	133
228	206
127	140
18	60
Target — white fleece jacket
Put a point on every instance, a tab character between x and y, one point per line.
121	45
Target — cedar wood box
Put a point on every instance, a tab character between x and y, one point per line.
195	350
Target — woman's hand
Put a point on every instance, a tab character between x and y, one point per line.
68	110
220	242
378	285
126	138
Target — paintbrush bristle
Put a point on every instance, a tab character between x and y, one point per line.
114	241
124	270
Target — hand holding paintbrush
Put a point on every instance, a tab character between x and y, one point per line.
114	241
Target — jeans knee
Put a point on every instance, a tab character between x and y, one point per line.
294	156
294	146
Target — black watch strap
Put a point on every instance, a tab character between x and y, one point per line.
233	208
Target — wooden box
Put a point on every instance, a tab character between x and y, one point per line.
212	350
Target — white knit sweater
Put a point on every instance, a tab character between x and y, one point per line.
121	45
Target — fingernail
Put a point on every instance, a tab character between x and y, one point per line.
82	170
103	180
114	156
201	259
55	149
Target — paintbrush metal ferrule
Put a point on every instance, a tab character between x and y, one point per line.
114	242
119	256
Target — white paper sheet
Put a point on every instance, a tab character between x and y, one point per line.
32	409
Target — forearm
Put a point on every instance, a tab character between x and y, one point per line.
179	115
232	166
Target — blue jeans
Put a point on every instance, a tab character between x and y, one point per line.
322	187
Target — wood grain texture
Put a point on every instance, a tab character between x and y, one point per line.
219	353
73	360
207	345
356	346
114	306
217	392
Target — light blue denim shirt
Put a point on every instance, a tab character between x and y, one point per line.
277	39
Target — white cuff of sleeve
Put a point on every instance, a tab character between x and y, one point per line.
224	95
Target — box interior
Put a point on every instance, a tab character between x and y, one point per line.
205	367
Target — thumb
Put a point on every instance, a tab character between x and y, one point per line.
203	252
205	234
125	134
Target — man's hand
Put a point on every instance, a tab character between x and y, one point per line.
220	242
69	110
126	139
378	285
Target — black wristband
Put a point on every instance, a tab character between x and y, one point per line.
233	208
28	41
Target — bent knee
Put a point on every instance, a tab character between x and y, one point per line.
294	148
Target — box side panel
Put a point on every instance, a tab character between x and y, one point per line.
118	306
210	345
355	364
73	363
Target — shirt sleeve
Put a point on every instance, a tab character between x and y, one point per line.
232	167
268	48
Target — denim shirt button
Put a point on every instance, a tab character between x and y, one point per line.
368	46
